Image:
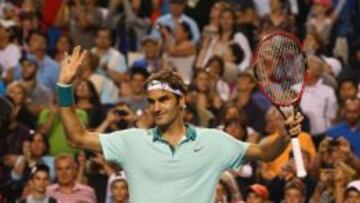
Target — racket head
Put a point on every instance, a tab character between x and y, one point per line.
279	66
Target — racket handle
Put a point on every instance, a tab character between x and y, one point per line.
299	162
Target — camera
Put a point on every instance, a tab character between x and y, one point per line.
121	112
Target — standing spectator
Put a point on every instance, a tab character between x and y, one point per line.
39	180
212	28
9	53
67	190
175	16
112	62
278	19
322	110
48	70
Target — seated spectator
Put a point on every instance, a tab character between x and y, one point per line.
9	53
48	70
39	95
105	88
64	44
349	128
294	192
39	180
257	193
119	191
17	92
67	190
112	62
352	192
49	124
175	16
137	97
87	99
151	61
179	51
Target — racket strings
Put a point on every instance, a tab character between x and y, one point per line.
280	69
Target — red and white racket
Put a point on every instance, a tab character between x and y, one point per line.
279	68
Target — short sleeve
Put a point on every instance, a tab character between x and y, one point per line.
114	145
234	151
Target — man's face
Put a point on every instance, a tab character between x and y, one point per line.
151	50
314	70
137	84
40	181
65	171
3	33
37	43
38	146
28	70
103	39
245	84
119	191
254	198
293	196
352	112
164	106
347	90
176	9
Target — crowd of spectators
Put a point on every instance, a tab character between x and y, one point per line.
210	43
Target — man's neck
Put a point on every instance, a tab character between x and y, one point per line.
312	82
102	51
40	55
68	187
29	84
173	132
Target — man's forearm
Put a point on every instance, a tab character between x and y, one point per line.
72	125
273	146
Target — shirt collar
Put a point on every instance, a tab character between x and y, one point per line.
190	133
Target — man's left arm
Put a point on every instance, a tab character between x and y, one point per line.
271	147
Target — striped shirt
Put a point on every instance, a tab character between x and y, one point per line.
80	193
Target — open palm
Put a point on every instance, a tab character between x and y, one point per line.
70	65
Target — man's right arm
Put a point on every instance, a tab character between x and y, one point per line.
76	133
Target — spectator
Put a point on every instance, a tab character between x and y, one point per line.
39	180
112	62
352	192
151	61
119	190
9	52
48	70
137	100
257	193
64	45
105	88
67	190
322	111
179	50
294	192
212	29
39	95
175	16
349	128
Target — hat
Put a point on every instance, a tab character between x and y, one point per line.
7	23
177	1
325	3
149	38
335	65
354	185
116	176
260	190
29	60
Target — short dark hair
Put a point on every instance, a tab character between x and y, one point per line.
39	33
220	61
170	77
37	168
138	70
238	53
106	29
187	29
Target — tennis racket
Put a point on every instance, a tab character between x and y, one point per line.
279	68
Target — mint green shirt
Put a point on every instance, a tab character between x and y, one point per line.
158	173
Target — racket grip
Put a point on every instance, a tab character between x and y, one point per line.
299	162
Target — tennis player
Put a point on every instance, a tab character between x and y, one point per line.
173	162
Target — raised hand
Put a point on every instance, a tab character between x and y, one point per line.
70	65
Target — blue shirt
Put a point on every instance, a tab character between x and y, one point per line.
169	21
47	73
157	172
344	130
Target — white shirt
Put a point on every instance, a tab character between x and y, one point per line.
319	103
113	60
9	58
